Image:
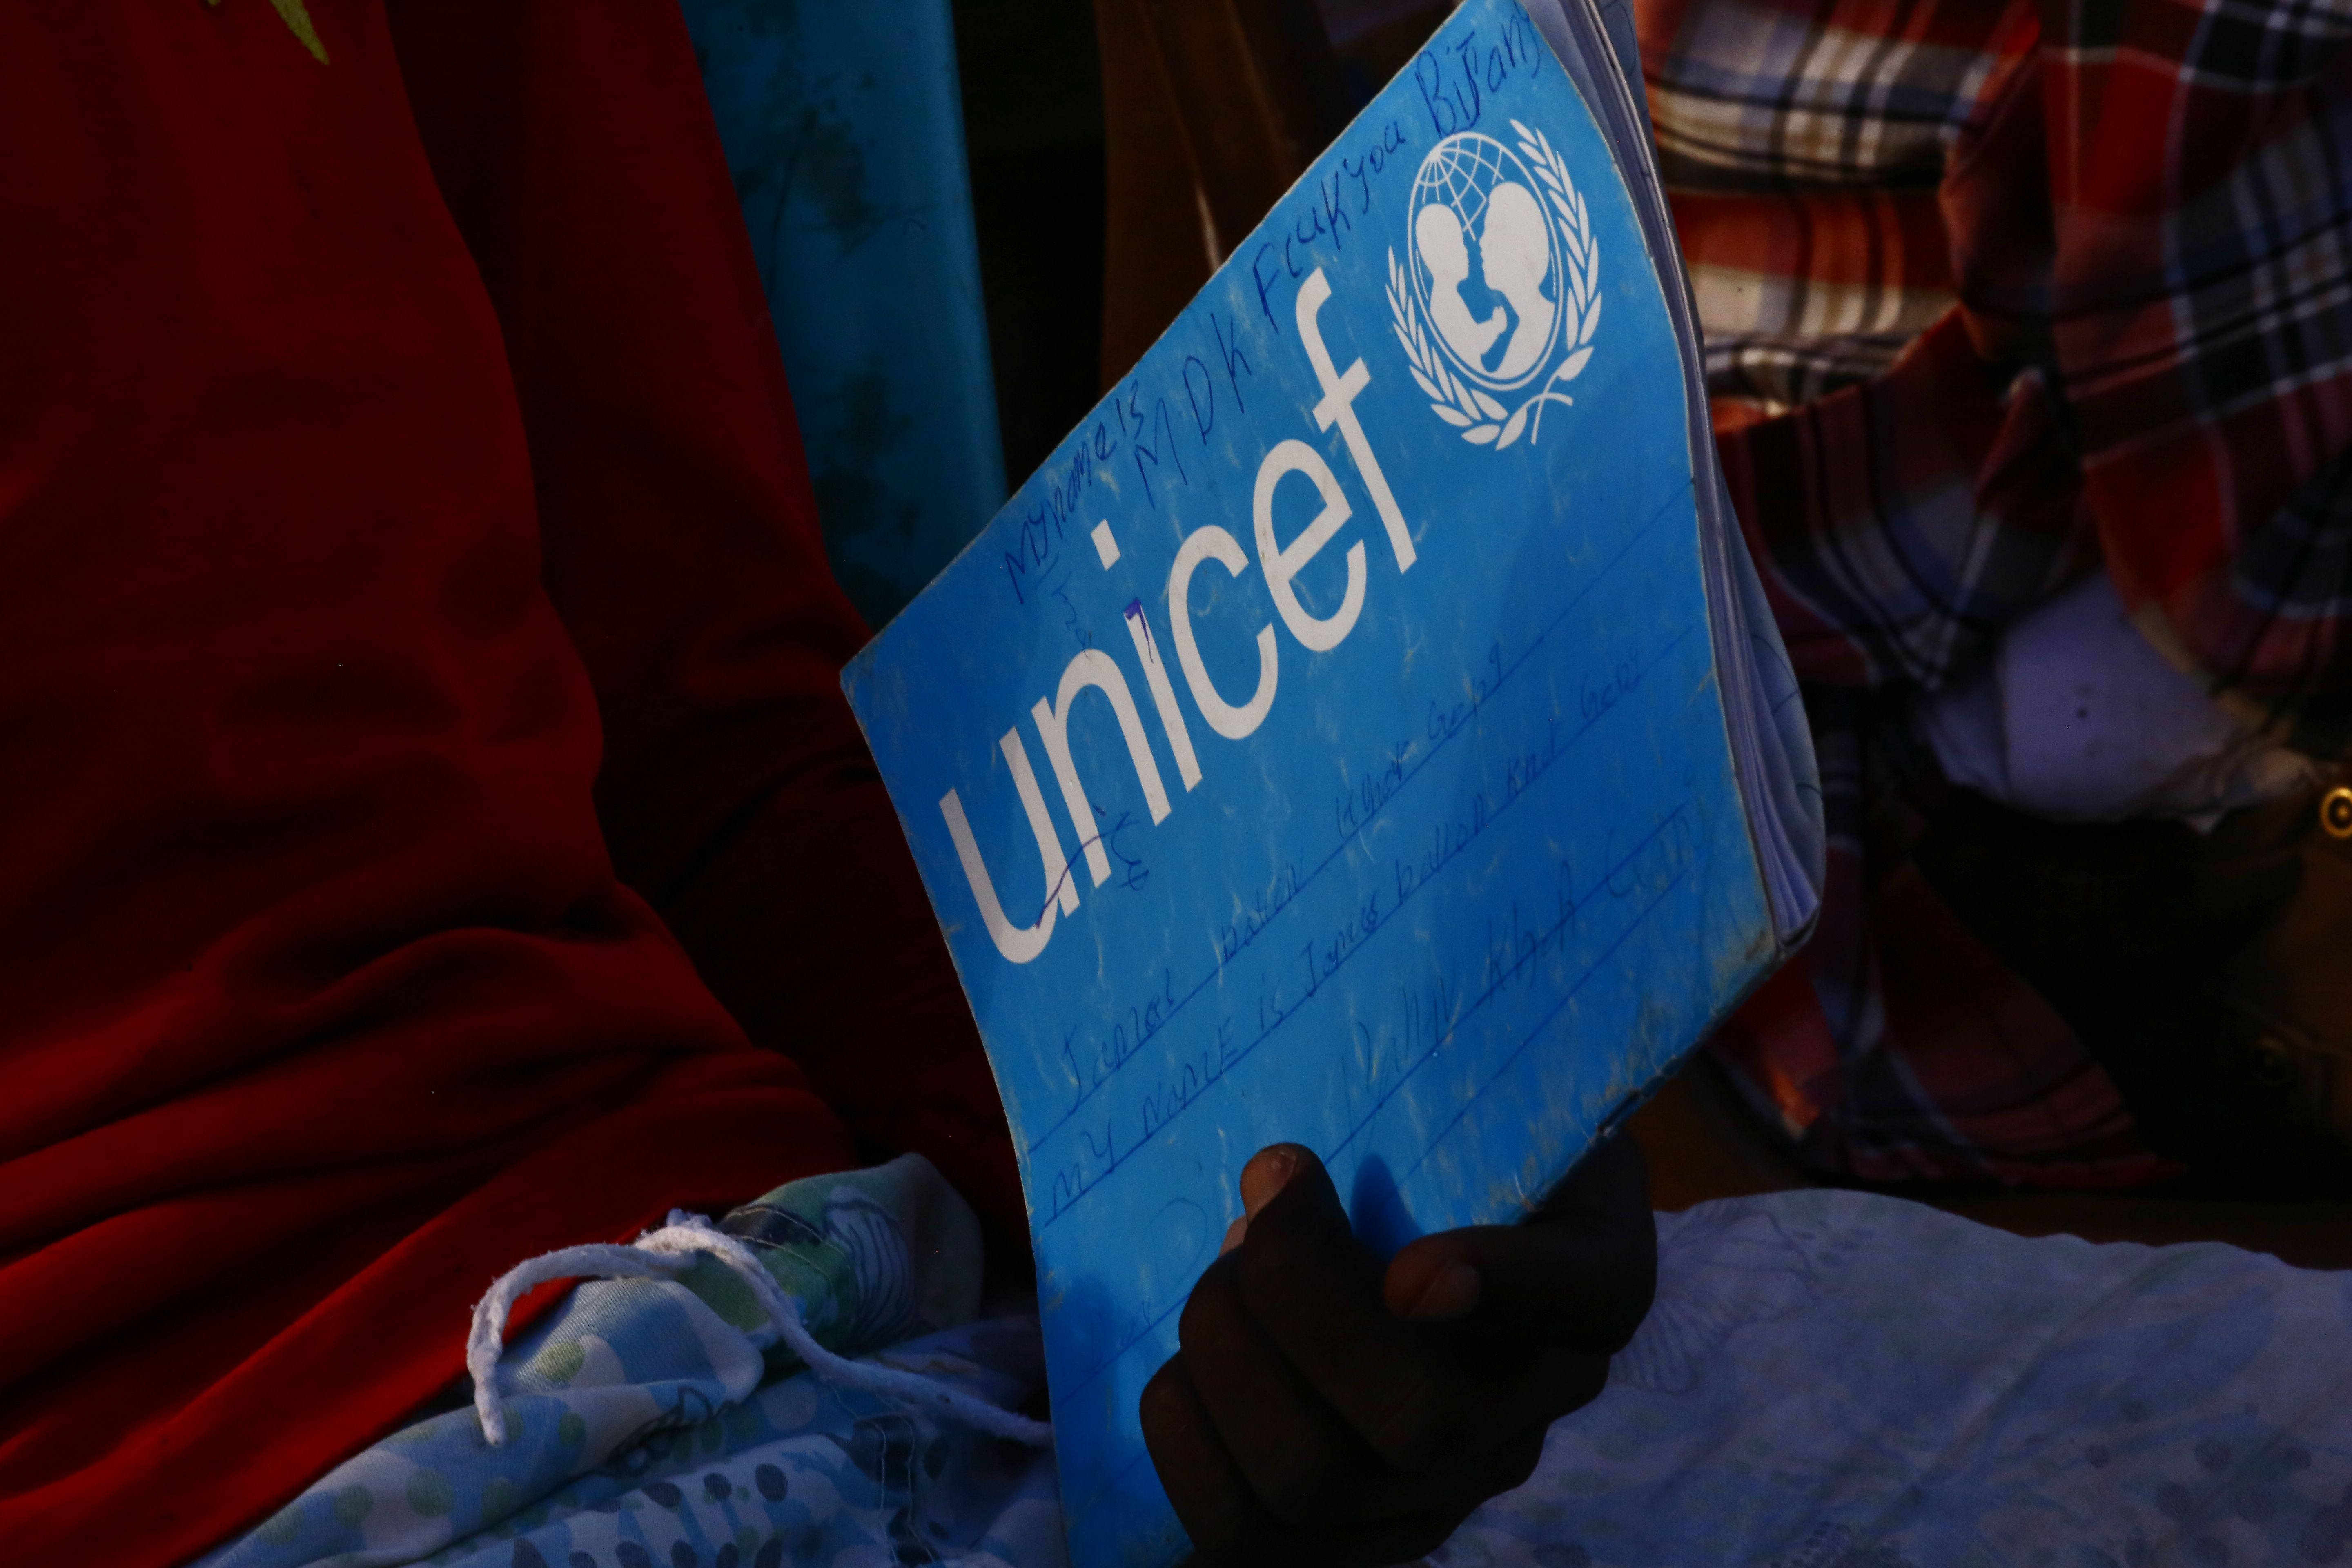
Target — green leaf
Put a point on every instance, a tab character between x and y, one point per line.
293	14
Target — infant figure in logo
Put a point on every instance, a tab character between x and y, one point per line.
1536	281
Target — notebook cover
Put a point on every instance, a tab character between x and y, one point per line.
1405	825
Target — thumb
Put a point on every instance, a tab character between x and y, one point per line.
1579	1274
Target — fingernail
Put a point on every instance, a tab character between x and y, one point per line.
1451	1293
1234	1234
1268	1171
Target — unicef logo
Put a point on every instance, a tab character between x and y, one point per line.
1498	303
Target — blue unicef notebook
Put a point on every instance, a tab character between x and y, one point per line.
1365	731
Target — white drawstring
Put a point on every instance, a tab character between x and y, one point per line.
661	1255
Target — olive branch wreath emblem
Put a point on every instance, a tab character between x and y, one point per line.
1482	419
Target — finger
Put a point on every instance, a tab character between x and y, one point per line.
1344	1546
1423	1399
1212	1498
1296	1455
1375	1546
1268	1171
1611	1178
1579	1274
1294	1451
1379	1543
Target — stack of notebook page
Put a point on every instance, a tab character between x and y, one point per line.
1367	730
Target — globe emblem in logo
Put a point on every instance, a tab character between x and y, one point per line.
1485	260
1498	296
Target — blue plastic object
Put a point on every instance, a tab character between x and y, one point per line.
843	130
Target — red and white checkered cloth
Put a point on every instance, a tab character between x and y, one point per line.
1995	293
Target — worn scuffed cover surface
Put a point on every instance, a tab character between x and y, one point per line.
1326	745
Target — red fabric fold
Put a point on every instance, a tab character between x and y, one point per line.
370	428
578	156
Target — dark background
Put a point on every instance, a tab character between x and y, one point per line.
1034	134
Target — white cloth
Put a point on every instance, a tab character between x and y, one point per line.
1841	1380
1827	1380
663	1252
2079	719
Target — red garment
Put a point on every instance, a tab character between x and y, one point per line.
324	1002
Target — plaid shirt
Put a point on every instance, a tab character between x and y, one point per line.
1997	293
